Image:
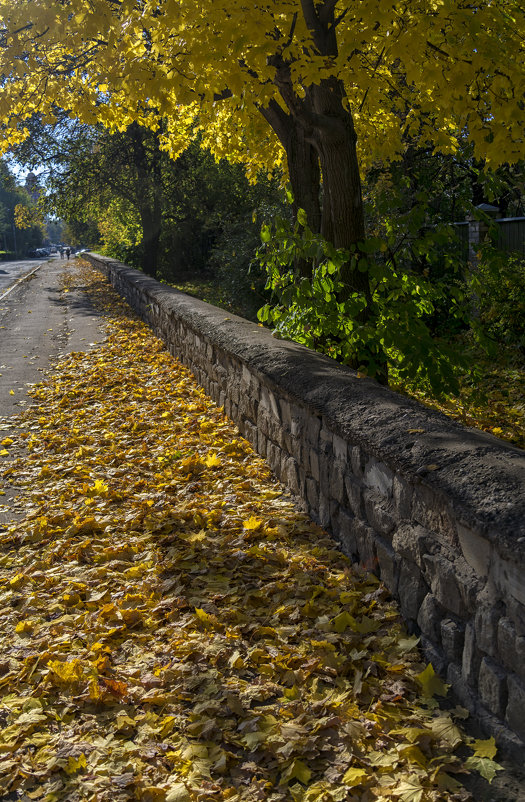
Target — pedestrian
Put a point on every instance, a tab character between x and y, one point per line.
61	252
68	251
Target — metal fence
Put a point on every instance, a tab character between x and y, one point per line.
511	234
507	234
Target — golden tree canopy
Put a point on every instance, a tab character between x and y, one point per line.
428	69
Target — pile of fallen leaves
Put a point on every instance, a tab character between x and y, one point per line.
172	629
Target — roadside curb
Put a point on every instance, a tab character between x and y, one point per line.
20	280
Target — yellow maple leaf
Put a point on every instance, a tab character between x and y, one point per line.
68	672
354	777
252	523
212	461
485	748
74	764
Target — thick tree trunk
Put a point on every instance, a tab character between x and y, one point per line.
303	170
343	221
147	161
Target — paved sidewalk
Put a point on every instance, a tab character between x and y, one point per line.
40	320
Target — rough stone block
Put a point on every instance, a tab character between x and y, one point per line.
413	542
346	535
313	464
388	568
471	658
354	492
312	494
515	715
429	619
508	577
516	613
313	428
434	655
412	590
462	689
268	402
296	449
377	513
251	433
441	576
337	485
286	414
340	447
365	537
357	460
486	622
492	686
290	475
325	465
324	510
470	585
476	549
273	458
326	443
507	643
452	639
379	478
430	510
262	444
402	494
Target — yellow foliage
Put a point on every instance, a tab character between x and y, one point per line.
432	69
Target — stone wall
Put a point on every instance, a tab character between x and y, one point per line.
436	509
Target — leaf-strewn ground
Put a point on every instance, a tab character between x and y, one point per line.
172	629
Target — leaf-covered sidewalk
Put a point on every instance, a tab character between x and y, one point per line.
173	630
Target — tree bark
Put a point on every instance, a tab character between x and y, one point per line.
303	170
151	224
147	160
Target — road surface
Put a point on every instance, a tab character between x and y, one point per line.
11	271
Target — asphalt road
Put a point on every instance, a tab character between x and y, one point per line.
11	271
39	322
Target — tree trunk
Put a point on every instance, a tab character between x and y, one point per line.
343	222
303	171
147	161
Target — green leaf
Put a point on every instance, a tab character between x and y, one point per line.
296	771
484	766
266	233
430	683
301	217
